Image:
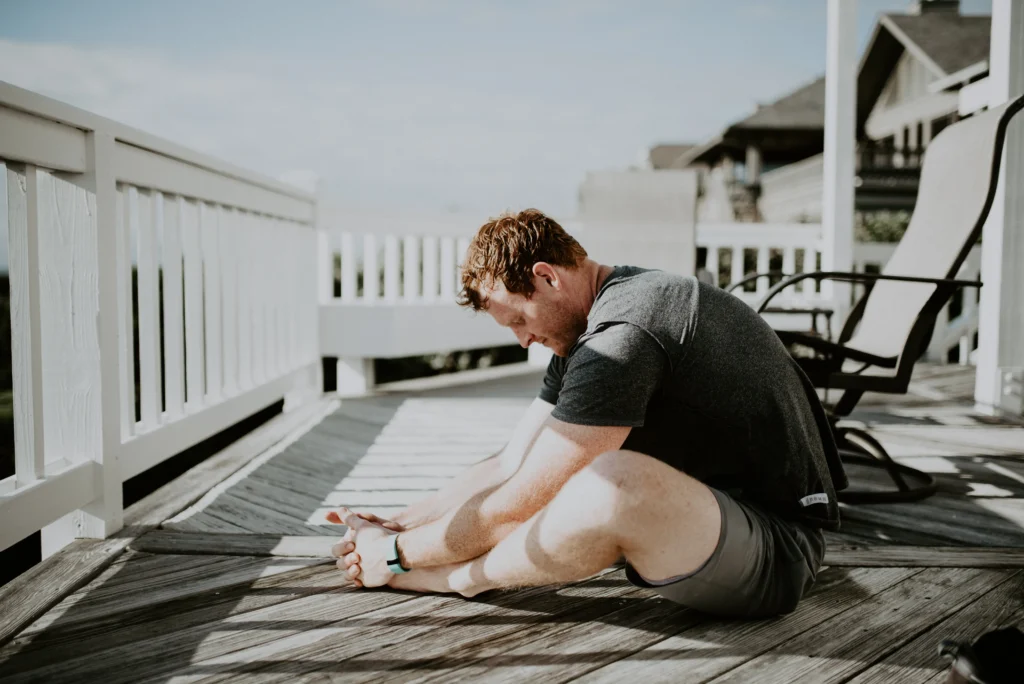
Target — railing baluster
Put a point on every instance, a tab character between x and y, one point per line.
789	260
267	258
282	295
174	336
209	229
26	334
194	354
763	254
391	268
430	268
349	268
229	297
737	265
255	285
810	266
147	218
712	264
371	272
125	321
411	268
462	246
449	273
243	286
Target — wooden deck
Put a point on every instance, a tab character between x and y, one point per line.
234	585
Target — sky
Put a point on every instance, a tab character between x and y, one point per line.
440	105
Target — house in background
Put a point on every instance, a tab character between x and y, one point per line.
919	73
776	135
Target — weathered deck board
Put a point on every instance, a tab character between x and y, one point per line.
166	541
414	630
236	586
918	661
923	557
198	608
708	650
31	595
848	644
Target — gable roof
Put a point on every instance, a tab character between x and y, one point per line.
952	41
662	156
800	110
945	42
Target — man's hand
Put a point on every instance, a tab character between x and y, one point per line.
362	553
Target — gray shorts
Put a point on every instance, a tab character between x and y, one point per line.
762	566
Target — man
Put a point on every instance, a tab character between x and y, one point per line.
672	429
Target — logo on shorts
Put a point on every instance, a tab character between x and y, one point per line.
814	499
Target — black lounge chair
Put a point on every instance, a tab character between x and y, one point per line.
890	326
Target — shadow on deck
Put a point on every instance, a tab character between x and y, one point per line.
237	586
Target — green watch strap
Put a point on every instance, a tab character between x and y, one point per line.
394	564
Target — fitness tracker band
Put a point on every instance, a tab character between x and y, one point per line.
394	564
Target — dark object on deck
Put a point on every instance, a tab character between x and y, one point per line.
996	657
890	326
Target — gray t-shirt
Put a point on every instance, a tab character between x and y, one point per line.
707	387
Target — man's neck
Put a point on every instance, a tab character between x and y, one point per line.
596	275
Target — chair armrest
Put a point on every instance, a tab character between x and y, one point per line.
859	278
752	277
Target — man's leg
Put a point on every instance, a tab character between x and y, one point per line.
624	503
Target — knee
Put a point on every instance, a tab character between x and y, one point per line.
607	484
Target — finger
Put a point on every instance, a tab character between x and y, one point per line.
349	518
338	550
333	517
350	536
354	571
376	519
352	559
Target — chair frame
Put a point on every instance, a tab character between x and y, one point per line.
856	444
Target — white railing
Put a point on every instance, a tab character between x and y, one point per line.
796	248
737	249
224	304
387	290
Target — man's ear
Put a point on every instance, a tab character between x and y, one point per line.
546	272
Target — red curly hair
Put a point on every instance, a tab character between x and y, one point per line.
505	250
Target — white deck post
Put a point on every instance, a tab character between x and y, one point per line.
840	135
87	425
999	387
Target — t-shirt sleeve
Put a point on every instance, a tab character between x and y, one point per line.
611	377
552	385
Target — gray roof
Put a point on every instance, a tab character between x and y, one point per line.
802	108
663	156
952	41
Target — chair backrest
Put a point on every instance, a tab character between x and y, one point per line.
955	194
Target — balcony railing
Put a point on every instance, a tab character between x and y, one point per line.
224	317
238	294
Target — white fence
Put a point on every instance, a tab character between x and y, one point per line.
224	305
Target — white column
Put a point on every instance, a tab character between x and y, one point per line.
840	134
999	387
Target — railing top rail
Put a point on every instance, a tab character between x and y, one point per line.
38	105
772	234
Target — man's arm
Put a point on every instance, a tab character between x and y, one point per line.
558	451
485	475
